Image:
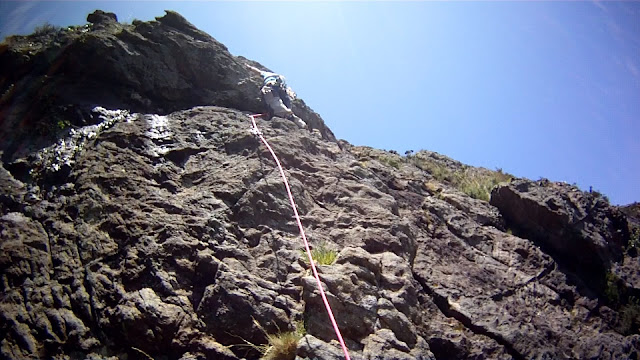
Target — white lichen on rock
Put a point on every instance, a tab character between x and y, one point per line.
159	132
63	153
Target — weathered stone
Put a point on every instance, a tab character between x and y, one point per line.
565	219
311	348
168	233
99	17
155	67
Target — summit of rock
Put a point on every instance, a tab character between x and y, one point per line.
140	218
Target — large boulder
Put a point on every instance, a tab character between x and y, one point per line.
581	228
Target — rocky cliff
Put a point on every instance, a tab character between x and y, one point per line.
142	220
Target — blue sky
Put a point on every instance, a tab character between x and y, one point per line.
539	89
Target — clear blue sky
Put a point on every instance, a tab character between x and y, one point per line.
539	89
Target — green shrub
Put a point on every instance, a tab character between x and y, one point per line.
321	255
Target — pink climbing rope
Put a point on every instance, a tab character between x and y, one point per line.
304	237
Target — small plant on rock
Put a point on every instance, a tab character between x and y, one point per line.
476	189
478	184
45	29
390	160
439	171
63	124
612	289
321	255
630	317
282	345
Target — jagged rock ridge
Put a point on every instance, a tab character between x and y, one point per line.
153	223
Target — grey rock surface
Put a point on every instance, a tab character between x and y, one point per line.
155	67
168	235
565	219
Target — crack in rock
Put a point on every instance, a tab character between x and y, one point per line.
540	276
443	305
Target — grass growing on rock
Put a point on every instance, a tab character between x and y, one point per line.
439	171
45	29
281	345
630	317
475	182
391	160
478	184
629	322
321	255
627	306
613	288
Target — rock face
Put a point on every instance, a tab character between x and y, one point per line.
51	80
566	221
156	226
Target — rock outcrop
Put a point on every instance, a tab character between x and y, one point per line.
53	79
154	225
581	229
